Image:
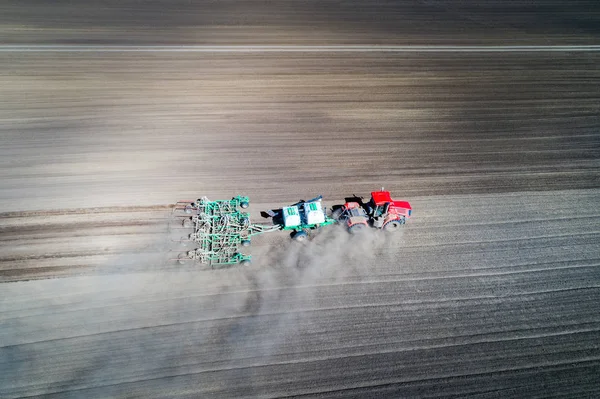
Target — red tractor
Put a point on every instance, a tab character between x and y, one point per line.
381	212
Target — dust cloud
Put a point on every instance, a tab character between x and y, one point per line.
286	281
162	321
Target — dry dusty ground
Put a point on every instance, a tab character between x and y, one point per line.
94	130
479	295
300	22
490	291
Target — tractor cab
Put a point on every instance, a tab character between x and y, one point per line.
382	204
377	204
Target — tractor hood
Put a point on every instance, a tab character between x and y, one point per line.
403	208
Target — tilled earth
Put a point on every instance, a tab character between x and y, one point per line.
491	289
479	294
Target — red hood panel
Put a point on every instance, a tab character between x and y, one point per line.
402	204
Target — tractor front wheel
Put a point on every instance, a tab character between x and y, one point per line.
392	225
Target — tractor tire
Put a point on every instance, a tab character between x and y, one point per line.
244	205
335	215
392	225
187	222
245	262
355	228
299	236
245	243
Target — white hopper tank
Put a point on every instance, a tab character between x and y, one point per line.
313	212
291	216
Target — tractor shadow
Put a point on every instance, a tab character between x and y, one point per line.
276	215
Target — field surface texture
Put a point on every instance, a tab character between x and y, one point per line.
490	291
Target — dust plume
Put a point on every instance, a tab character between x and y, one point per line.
134	333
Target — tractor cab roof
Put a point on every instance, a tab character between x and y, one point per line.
381	197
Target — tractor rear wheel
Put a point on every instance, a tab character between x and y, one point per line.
355	228
335	215
392	225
